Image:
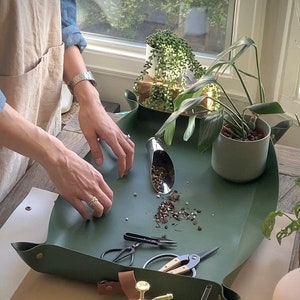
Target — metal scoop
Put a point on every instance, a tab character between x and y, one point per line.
161	167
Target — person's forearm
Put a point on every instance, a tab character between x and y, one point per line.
74	65
19	135
76	180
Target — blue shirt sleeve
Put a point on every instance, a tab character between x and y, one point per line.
71	34
2	101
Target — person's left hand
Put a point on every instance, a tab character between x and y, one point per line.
97	125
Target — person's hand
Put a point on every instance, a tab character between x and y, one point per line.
78	182
97	125
75	179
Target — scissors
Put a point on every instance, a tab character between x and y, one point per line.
160	242
129	251
181	264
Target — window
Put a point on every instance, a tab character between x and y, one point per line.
286	84
205	24
116	53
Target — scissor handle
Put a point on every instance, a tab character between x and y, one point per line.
149	240
157	257
182	270
122	253
173	263
181	264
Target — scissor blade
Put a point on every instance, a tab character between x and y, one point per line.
149	240
205	254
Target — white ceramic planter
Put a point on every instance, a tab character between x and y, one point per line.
196	22
151	71
241	161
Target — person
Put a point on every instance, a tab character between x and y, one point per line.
41	46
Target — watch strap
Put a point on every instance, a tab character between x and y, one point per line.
81	77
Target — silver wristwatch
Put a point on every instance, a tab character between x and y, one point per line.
80	77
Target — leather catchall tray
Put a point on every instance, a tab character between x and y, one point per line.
230	218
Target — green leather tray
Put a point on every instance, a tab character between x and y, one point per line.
231	217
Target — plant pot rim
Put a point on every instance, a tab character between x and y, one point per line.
266	130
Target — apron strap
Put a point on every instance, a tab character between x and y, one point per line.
125	286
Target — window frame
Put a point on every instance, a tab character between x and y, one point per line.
286	79
117	61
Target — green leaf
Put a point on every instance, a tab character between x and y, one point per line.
209	129
288	230
186	105
190	128
194	91
169	132
293	226
297	210
236	50
269	223
297	182
279	130
266	108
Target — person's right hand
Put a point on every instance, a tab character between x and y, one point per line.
75	179
78	182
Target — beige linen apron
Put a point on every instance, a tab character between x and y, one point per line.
31	64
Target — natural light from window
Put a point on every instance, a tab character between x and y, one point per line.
205	24
116	31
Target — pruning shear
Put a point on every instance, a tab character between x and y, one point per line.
181	264
129	251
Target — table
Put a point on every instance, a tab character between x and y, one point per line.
72	137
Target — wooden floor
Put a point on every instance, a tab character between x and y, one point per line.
289	170
67	116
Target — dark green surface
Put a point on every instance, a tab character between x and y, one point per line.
231	216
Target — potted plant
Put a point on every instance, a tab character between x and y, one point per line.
236	126
293	226
287	285
169	61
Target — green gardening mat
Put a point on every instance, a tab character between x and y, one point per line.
229	216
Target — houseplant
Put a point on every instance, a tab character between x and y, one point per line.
164	75
228	119
287	285
293	226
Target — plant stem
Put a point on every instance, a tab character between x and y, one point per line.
235	111
261	90
243	84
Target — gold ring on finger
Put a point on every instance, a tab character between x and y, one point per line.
93	202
